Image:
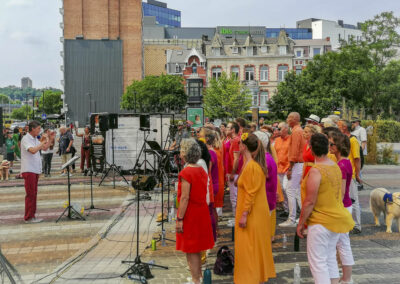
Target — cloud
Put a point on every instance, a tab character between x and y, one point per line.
19	3
26	38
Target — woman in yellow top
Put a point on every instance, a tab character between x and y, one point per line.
254	263
323	212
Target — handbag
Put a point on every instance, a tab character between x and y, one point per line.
225	262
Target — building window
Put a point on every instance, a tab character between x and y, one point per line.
255	99
340	38
235	72
264	73
298	70
194	68
298	53
264	49
235	50
282	71
282	50
316	51
249	73
195	89
177	68
216	73
249	51
263	98
216	51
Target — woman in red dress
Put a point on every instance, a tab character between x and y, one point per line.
193	227
308	157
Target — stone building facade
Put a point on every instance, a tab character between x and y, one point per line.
259	62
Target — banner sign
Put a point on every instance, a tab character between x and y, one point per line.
196	116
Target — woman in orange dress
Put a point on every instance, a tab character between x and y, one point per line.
254	263
193	226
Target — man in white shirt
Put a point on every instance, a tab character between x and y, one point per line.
360	133
31	168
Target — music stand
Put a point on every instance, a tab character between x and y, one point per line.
69	207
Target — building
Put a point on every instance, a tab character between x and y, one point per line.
305	50
259	62
165	16
335	31
191	65
305	33
102	41
26	82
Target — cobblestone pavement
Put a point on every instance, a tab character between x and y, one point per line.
80	252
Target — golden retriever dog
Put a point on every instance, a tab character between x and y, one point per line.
377	204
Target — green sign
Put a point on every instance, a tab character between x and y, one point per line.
196	116
227	31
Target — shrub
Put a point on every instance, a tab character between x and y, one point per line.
387	156
387	130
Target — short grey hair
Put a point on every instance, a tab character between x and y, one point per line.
190	150
263	137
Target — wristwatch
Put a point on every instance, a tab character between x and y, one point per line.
179	219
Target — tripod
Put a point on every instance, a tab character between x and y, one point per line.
69	207
113	166
92	207
139	268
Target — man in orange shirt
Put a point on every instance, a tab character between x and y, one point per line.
233	162
295	170
282	151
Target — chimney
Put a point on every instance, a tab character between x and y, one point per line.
340	22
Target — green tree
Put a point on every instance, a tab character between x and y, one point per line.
226	98
4	99
155	94
22	113
50	102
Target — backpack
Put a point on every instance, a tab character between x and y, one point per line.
361	154
225	262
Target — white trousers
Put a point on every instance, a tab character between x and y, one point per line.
293	190
344	247
233	194
321	254
283	179
356	205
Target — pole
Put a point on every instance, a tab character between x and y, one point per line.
43	101
33	106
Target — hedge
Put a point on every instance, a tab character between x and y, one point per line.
387	130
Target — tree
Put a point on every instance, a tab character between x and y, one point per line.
50	103
155	94
22	113
4	99
226	98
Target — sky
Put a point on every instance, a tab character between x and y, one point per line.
30	29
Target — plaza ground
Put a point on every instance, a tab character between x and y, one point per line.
91	251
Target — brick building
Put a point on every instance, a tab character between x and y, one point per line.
191	65
102	42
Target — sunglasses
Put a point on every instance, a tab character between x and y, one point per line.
332	144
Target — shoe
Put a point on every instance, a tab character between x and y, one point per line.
355	231
360	187
346	282
33	221
284	214
63	174
231	223
288	224
297	221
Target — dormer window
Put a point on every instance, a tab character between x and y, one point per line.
177	68
282	50
216	51
235	50
194	68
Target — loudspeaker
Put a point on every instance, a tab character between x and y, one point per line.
113	120
144	121
104	122
144	182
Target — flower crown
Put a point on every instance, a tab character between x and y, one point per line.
244	136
